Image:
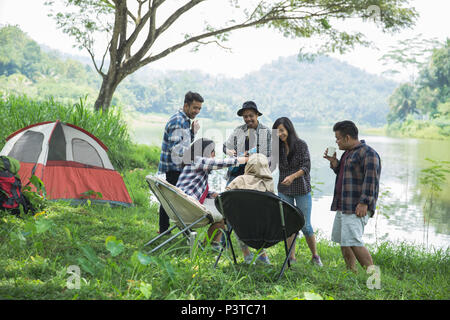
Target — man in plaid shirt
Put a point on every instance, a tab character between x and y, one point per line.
178	135
355	193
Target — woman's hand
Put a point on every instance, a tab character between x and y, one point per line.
288	180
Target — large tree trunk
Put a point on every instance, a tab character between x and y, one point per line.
109	85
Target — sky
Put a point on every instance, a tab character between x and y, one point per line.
250	48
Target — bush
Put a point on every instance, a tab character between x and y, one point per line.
21	111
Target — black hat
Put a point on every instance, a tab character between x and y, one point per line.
248	105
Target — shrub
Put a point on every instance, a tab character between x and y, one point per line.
110	127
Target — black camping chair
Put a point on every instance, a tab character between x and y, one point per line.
260	220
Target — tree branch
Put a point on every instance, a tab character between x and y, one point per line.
188	6
194	39
99	70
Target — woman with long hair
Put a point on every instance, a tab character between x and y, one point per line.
294	185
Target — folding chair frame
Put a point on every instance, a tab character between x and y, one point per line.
185	229
283	226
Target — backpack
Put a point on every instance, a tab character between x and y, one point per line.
11	196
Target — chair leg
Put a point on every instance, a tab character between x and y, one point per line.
161	235
228	235
231	244
286	261
182	231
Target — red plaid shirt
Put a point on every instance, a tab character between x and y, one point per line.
360	180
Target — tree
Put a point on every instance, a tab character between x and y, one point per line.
402	103
18	53
437	73
413	54
134	31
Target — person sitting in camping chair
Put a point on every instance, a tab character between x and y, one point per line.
198	161
257	176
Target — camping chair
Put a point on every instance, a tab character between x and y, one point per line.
260	219
184	211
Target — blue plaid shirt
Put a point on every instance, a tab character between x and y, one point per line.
194	177
177	138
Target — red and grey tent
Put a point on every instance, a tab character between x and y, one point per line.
69	160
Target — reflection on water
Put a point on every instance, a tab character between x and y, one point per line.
402	160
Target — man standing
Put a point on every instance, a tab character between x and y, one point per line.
251	135
355	192
178	135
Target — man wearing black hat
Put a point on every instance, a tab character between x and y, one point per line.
250	137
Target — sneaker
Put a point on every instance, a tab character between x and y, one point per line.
316	260
248	259
264	260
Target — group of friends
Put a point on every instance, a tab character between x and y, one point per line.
253	152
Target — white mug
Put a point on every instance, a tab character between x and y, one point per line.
331	151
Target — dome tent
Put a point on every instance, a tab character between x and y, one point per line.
69	160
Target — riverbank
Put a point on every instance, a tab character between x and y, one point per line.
418	129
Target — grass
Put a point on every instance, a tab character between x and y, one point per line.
107	244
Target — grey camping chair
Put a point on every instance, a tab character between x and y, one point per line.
184	211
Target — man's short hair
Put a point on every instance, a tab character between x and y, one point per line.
191	97
346	127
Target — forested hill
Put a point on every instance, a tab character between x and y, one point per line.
324	91
320	92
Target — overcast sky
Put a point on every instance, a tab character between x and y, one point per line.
250	48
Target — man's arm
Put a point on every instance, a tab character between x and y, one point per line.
179	139
372	168
213	163
228	146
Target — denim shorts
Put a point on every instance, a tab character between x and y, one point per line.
348	229
304	203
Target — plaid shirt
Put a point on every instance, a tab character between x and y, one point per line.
360	181
298	159
262	140
177	138
194	177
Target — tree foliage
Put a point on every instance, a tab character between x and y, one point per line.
152	21
429	96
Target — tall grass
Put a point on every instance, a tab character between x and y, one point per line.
110	127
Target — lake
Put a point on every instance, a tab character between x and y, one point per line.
401	196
